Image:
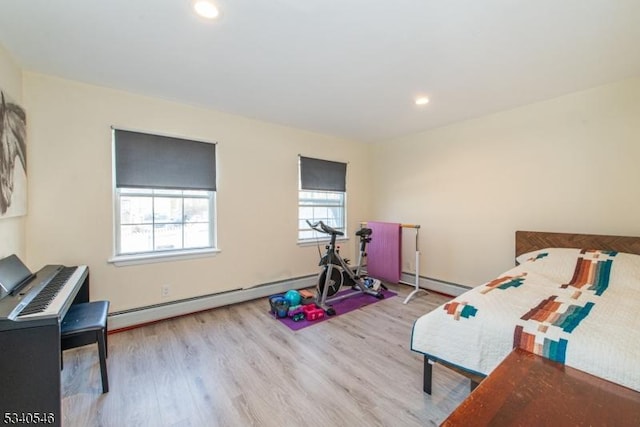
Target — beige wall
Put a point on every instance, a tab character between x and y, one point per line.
12	238
71	214
567	164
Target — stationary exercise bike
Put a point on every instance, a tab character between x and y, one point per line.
336	272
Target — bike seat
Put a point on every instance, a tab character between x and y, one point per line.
364	232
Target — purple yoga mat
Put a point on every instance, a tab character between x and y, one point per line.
384	251
341	307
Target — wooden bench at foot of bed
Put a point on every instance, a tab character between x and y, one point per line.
428	373
529	390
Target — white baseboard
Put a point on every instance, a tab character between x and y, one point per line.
436	285
139	316
142	315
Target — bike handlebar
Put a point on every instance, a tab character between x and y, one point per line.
324	228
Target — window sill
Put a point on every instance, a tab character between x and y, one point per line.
125	260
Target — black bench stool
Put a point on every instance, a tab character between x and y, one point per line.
86	323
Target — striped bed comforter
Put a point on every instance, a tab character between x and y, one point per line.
577	307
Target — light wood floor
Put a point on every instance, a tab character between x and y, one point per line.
237	366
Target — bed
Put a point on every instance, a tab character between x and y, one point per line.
572	298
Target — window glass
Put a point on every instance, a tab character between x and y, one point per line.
155	220
325	206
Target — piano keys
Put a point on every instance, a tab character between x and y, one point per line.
32	306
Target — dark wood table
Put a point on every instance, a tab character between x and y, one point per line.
529	390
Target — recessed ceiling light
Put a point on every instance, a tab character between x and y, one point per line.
422	100
206	9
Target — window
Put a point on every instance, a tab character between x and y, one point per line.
164	195
321	196
160	220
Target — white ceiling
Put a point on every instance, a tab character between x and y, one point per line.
341	67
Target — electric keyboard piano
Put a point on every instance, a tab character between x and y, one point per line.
32	306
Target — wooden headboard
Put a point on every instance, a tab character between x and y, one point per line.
527	241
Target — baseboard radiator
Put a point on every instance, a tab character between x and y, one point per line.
139	316
153	313
436	285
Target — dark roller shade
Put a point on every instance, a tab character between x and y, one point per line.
154	161
323	175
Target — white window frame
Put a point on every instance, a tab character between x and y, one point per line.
302	225
159	255
120	259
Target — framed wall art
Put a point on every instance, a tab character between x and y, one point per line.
13	158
